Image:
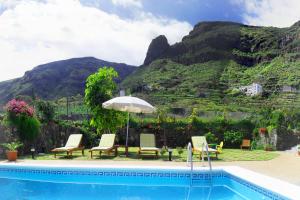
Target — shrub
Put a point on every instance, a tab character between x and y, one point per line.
179	150
28	127
46	110
21	116
163	151
211	138
234	92
17	107
233	138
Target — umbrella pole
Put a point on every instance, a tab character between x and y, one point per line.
126	146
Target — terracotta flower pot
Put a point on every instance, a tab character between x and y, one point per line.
268	149
298	153
262	130
12	155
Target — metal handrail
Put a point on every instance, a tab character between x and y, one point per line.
204	145
208	157
190	161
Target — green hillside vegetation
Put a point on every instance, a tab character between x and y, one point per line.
206	69
58	79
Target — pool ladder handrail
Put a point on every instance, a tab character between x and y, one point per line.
207	153
189	161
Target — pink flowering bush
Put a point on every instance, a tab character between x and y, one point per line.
18	107
21	116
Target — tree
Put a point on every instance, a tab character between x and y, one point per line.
99	88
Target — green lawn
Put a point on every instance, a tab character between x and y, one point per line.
227	155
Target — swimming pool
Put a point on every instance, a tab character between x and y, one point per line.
41	182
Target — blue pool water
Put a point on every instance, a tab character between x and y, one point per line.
39	183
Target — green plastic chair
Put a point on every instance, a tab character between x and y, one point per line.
220	147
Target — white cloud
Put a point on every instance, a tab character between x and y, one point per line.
278	13
8	3
33	33
128	3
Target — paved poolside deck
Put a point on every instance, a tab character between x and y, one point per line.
285	167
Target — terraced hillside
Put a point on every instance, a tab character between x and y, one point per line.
207	67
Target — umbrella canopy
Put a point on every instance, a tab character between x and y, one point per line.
129	104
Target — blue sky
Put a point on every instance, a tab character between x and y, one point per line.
34	32
192	11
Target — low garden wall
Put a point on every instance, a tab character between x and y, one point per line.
55	135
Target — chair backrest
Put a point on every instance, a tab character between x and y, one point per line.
246	143
198	141
147	140
74	140
107	140
220	147
221	144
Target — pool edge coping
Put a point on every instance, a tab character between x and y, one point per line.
273	184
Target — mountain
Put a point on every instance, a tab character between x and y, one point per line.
208	66
58	79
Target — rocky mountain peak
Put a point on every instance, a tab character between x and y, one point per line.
156	49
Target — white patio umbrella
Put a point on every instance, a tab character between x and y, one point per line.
128	104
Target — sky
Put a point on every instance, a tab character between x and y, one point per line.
34	32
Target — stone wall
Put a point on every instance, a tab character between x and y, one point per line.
286	140
53	135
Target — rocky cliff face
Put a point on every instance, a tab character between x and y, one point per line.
158	47
247	45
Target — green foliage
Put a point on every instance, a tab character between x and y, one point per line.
179	150
211	138
21	116
163	150
90	137
233	138
46	110
28	127
12	146
182	127
269	147
99	88
162	117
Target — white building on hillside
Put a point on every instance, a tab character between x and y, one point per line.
288	88
252	90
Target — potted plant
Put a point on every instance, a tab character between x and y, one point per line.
163	150
11	151
179	150
269	147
